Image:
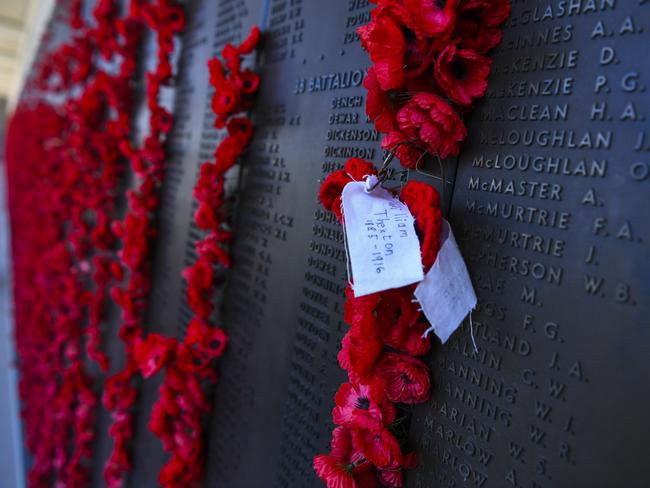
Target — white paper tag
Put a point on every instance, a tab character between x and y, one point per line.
383	248
446	294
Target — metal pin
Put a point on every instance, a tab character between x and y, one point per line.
441	177
471	332
383	173
347	250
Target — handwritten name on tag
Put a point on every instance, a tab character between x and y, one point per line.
383	248
446	294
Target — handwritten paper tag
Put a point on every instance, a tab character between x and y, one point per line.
446	294
383	248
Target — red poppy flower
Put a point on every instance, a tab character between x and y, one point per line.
208	190
211	247
428	118
188	360
200	275
362	345
154	152
251	42
419	196
213	342
172	471
210	340
248	81
393	475
333	472
359	353
122	426
424	202
379	104
225	101
355	169
227	153
397	308
217	75
152	90
478	23
231	59
194	391
405	378
117	271
341	445
240	132
153	353
76	19
434	18
377	444
331	190
357	309
462	74
159	422
406	339
205	217
118	393
429	226
384	40
353	401
241	128
344	467
116	465
162	120
163	68
200	278
188	445
172	17
399	322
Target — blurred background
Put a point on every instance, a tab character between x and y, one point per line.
22	23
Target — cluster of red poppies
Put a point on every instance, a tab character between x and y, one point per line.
65	164
178	413
58	402
64	170
136	230
380	354
429	66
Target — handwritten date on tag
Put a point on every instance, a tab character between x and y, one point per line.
383	248
446	294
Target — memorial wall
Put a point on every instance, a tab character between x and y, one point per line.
546	384
547	206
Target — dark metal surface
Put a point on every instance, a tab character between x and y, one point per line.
283	297
558	393
192	141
